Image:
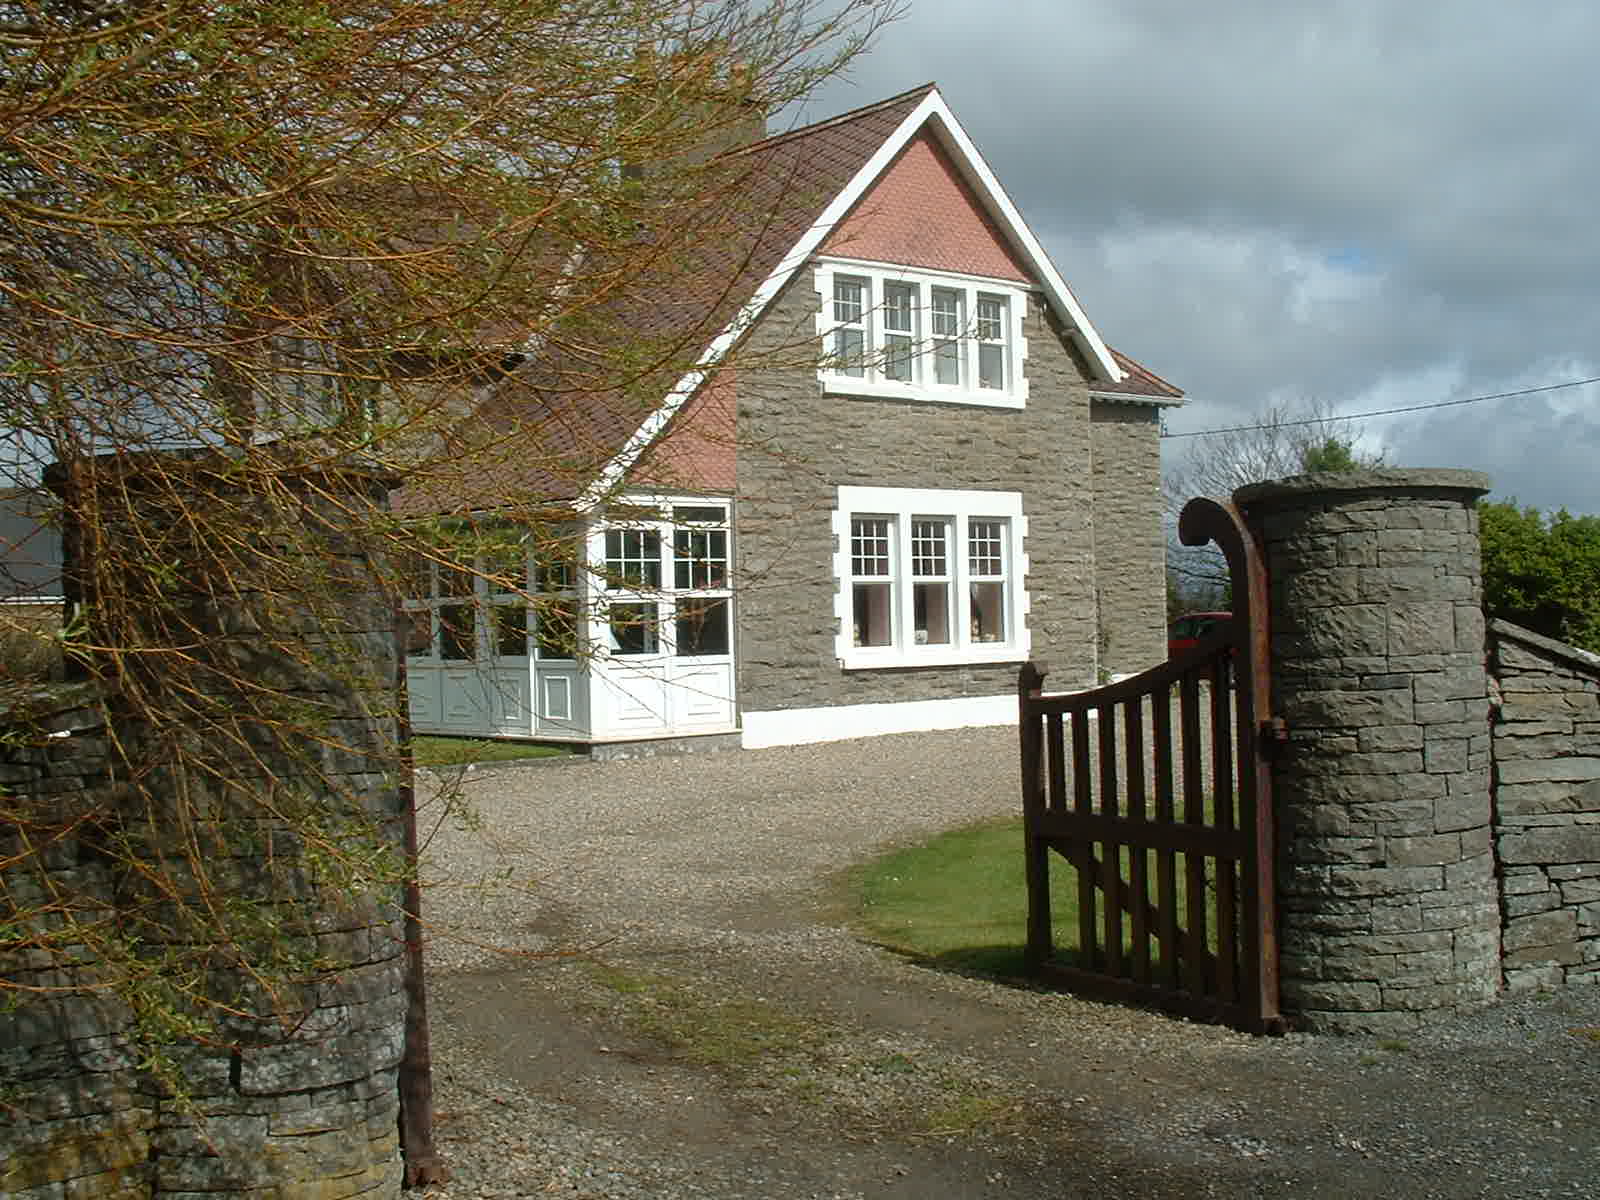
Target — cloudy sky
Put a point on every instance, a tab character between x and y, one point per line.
1366	203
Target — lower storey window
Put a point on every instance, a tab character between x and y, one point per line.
929	576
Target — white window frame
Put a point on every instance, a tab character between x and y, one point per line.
658	515
880	327
901	507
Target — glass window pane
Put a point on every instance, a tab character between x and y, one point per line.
991	366
869	545
700	558
552	572
931	614
928	540
988	611
947	363
633	629
633	558
873	626
458	641
849	296
506	566
455	580
850	352
946	313
511	630
555	633
701	627
416	628
899	359
699	514
991	318
413	575
986	548
899	308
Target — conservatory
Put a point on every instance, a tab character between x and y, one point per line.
620	629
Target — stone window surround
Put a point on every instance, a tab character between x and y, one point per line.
877	275
958	507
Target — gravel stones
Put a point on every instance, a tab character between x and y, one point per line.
714	873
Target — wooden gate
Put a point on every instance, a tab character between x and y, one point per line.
1156	791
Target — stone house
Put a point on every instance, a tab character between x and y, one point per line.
953	475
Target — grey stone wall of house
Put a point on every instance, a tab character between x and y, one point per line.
1129	555
797	445
1388	908
1546	706
293	1092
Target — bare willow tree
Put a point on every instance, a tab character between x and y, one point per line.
247	249
1276	441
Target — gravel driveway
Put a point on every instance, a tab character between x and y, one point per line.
640	987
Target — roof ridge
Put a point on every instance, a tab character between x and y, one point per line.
853	114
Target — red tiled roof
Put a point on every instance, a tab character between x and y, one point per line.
770	194
1138	381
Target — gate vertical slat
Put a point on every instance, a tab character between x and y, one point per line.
1194	813
1083	848
1056	756
1112	892
1222	799
1057	795
1138	857
1030	731
1166	861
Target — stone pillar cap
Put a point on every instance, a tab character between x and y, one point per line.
1420	482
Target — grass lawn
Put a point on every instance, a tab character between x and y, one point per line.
459	752
959	900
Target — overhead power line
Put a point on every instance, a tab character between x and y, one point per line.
1385	412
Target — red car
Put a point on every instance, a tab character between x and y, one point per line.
1187	631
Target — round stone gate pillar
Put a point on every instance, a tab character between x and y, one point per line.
1387	908
246	836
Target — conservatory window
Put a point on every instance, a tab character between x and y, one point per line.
555	601
496	607
668	582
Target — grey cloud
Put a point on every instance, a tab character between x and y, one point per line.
1193	169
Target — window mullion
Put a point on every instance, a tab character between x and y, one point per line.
960	571
904	586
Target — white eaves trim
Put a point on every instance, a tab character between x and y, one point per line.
934	109
1135	398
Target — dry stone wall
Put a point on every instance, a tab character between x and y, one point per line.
1546	699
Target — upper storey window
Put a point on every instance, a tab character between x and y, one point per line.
922	336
